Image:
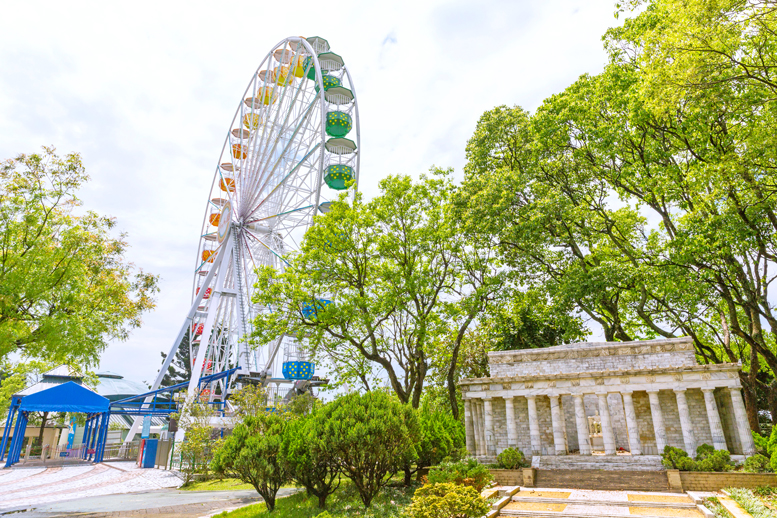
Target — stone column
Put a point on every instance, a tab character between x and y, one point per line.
512	432
479	437
631	423
489	422
559	440
476	425
658	421
534	426
582	425
743	425
469	427
716	428
685	423
607	434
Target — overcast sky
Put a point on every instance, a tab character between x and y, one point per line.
146	91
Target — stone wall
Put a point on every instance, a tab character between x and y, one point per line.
705	481
634	480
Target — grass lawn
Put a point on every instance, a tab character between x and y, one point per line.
344	502
228	484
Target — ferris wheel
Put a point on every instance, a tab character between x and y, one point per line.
292	148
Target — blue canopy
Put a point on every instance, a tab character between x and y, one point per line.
68	397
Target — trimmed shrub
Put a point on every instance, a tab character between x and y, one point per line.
253	454
511	458
447	500
757	464
761	444
369	437
673	457
771	444
309	465
467	472
707	459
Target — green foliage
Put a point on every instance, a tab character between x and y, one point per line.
369	437
310	465
447	500
511	458
253	454
197	449
401	276
66	290
441	436
467	472
750	502
757	464
250	400
642	197
707	459
761	443
345	503
771	445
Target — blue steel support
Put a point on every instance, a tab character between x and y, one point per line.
95	428
6	432
14	440
18	439
85	439
103	438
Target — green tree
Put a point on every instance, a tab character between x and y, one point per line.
400	274
180	368
442	435
252	453
65	288
310	465
643	197
369	437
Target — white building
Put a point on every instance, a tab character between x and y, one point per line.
612	397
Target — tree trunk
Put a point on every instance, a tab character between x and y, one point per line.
322	500
408	475
773	401
751	404
42	428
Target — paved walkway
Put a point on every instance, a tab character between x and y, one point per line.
110	489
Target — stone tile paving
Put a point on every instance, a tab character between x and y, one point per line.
599	500
28	487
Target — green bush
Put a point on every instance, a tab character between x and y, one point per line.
310	465
447	500
761	444
757	464
771	444
441	436
773	462
252	453
511	458
673	457
707	459
369	438
467	472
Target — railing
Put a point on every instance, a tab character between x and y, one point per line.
121	451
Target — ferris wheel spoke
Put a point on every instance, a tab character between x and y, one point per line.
268	175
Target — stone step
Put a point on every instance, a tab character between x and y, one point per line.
602	480
611	503
599	462
554	514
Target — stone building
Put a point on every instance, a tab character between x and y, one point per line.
605	397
